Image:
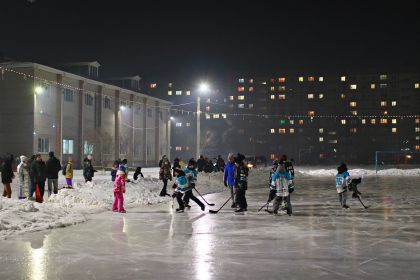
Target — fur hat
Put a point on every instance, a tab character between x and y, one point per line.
23	158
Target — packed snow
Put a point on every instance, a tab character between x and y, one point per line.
71	206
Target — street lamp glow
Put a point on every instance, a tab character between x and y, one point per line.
171	118
39	90
204	88
122	108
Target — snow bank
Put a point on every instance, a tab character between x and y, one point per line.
70	206
360	172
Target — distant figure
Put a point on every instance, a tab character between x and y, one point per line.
138	173
24	179
175	166
7	176
53	167
241	183
271	184
200	164
39	169
220	163
209	166
165	175
161	161
88	170
342	181
229	177
119	190
68	173
281	179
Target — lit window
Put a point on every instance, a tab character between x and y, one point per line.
153	85
231	97
343	121
332	132
372	86
385	112
170	85
272	130
282	88
321	96
272	97
417	147
417	120
354	112
353	104
311	113
373	121
292	130
394	130
178	92
300	79
208	108
68	147
417	129
353	86
251	81
282	97
311	79
353	130
384	121
383	85
251	89
188	124
241	89
383	77
282	130
332	141
321	156
383	103
282	80
215	116
300	122
394	103
241	97
321	139
321	130
416	85
224	116
208	116
394	121
343	78
310	96
272	88
272	156
169	92
363	121
188	92
250	106
321	79
178	124
241	106
417	138
178	148
343	96
241	80
292	122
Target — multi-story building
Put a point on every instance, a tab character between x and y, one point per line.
46	109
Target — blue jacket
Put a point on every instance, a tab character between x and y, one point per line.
229	176
182	184
191	175
282	183
342	180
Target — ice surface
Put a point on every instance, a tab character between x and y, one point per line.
319	241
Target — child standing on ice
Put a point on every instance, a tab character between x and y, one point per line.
281	179
272	193
342	181
229	177
191	175
181	186
241	183
119	190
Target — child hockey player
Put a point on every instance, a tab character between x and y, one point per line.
191	175
119	190
181	186
342	181
241	183
272	193
138	173
281	179
229	177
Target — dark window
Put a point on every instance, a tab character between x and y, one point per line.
68	95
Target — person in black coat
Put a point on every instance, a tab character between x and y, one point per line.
39	170
88	170
53	167
7	176
201	162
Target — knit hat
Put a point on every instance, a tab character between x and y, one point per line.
23	158
191	162
89	157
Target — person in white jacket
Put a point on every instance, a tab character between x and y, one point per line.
24	180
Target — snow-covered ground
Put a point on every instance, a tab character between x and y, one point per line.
71	206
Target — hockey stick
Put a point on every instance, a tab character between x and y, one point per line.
263	206
215	211
366	207
209	204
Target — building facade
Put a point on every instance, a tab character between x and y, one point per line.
45	109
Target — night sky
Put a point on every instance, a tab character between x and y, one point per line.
212	38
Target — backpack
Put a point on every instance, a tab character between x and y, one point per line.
64	169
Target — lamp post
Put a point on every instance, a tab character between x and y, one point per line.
203	88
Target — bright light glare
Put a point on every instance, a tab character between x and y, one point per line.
39	90
122	108
204	87
171	118
408	156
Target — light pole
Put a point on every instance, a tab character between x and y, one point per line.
203	88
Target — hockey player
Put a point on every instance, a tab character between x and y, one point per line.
191	175
342	181
272	193
281	179
229	177
241	183
181	186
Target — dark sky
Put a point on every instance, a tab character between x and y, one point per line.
212	38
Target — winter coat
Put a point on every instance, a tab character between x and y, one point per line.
137	174
200	164
7	172
39	170
30	163
229	174
119	184
182	184
241	179
69	170
165	172
342	180
23	174
272	186
53	167
88	169
191	175
288	165
281	180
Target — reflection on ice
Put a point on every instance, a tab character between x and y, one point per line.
38	255
203	249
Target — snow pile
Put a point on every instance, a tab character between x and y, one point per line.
357	172
70	206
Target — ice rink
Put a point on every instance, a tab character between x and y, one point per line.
319	241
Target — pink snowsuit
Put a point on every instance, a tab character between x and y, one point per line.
119	190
